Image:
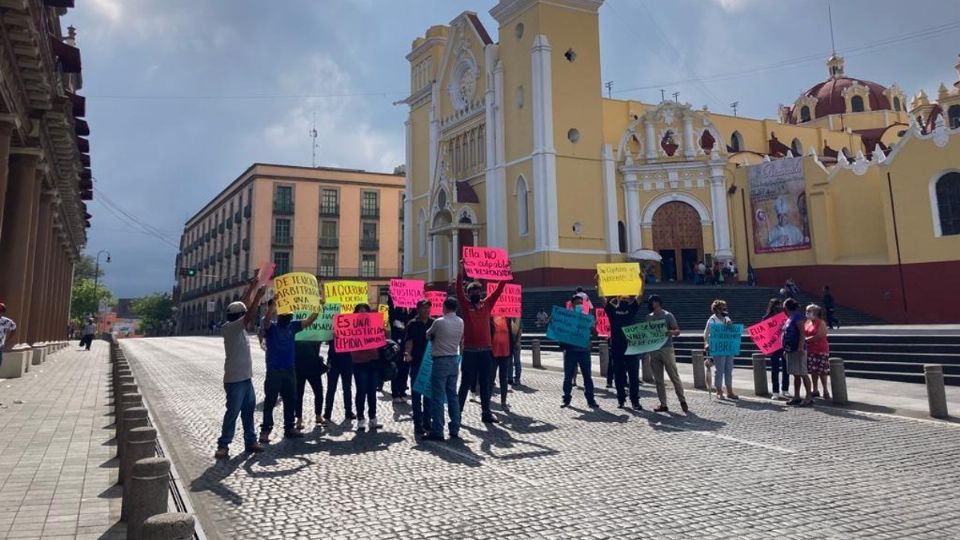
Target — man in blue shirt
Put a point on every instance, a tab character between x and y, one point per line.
281	371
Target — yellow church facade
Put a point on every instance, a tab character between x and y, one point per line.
512	144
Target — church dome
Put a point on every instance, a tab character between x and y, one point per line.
831	100
840	94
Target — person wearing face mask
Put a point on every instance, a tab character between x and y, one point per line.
366	377
477	365
281	379
622	311
818	349
724	364
781	384
664	358
577	357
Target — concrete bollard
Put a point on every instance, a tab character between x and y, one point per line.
170	526
760	376
147	495
604	358
127	401
134	417
646	371
141	444
118	392
535	348
838	381
936	392
699	374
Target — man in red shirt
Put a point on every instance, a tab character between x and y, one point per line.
477	366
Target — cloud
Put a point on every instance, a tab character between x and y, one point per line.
733	5
110	9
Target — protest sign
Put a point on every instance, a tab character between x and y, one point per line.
620	279
491	264
603	323
421	384
322	327
508	305
384	309
265	273
725	339
346	293
766	334
405	293
570	327
358	332
296	291
436	299
645	337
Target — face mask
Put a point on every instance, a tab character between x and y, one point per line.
284	320
475	298
811	316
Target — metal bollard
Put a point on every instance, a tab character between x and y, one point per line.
133	417
535	348
148	493
760	376
936	393
170	526
646	371
141	444
838	381
604	358
699	374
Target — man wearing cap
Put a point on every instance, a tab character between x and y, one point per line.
7	326
414	348
477	365
238	374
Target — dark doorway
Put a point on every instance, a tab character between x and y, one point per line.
668	266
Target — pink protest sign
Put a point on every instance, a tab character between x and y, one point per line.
603	323
766	334
358	332
436	299
406	292
266	272
491	264
508	305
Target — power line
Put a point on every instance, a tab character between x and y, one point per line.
131	221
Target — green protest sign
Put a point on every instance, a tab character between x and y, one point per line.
322	328
645	337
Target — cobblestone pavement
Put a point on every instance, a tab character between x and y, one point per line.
750	469
57	465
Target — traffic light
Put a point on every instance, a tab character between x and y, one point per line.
187	272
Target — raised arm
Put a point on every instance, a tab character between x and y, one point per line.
252	308
461	296
268	316
309	320
251	287
496	293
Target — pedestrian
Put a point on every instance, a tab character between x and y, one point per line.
622	311
517	337
664	358
414	348
281	380
577	357
723	364
366	377
829	306
310	369
501	338
7	327
238	373
793	291
89	331
542	318
398	328
701	273
818	349
477	364
339	370
780	384
795	353
446	334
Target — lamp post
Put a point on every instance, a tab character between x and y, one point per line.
96	280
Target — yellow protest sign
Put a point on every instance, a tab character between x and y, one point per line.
296	291
346	293
385	309
620	279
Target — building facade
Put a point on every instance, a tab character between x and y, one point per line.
334	223
45	178
512	144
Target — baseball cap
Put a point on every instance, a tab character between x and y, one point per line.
423	302
236	307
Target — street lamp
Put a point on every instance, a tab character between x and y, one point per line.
96	280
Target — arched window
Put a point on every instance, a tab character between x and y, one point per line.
796	147
523	221
896	103
736	142
947	204
669	143
856	104
707	141
805	114
422	232
953	116
622	236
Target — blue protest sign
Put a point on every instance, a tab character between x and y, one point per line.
725	339
570	327
422	383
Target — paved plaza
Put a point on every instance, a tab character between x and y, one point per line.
750	469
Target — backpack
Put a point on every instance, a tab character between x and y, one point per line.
388	360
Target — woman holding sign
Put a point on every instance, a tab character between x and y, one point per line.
366	377
818	349
724	364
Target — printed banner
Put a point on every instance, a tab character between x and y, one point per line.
265	274
509	303
491	264
725	339
645	337
436	299
322	327
358	332
779	202
766	334
570	327
406	293
296	291
620	279
348	294
384	310
603	323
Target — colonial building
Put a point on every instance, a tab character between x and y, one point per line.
334	223
512	144
45	179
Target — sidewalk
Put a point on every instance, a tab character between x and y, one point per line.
869	395
57	465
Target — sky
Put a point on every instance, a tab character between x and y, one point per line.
183	95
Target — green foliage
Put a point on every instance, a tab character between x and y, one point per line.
155	312
85	268
86	301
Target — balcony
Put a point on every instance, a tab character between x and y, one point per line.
226	252
236	217
247	211
369	243
246	244
219	257
328	242
281	208
370	212
329	210
221	228
236	248
282	240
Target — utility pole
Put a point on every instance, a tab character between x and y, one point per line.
609	85
313	135
734	106
676	97
663	95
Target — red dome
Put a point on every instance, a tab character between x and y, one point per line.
830	98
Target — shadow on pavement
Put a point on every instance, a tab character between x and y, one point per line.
494	437
212	479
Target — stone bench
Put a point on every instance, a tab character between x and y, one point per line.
15	363
39	354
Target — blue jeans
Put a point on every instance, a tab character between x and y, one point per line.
572	359
724	371
366	376
776	366
418	402
241	401
517	366
443	386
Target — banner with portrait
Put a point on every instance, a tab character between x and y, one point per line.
779	202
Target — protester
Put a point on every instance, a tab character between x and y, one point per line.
792	290
414	348
577	357
446	334
793	350
818	349
517	335
723	364
664	357
829	306
398	327
366	377
622	311
501	337
89	331
7	327
477	365
281	377
340	370
777	366
310	368
238	373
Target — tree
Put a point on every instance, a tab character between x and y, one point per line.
86	268
155	312
85	300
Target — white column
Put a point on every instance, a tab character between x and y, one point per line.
454	253
689	149
631	198
499	142
544	154
610	200
652	144
434	134
408	203
496	196
430	258
721	217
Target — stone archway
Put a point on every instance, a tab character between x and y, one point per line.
678	238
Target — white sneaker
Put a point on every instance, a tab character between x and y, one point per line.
776	397
374	424
361	423
785	395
